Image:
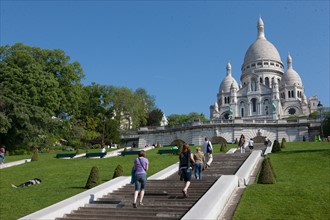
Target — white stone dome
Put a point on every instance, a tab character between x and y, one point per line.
261	48
228	81
291	77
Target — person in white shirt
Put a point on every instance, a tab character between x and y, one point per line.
207	150
251	144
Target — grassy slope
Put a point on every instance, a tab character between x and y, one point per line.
61	179
302	190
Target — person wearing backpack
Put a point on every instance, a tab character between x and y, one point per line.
186	160
208	150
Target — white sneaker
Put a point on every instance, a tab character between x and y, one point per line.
12	185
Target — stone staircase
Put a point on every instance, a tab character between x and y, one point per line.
163	198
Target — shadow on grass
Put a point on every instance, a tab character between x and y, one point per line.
305	151
77	187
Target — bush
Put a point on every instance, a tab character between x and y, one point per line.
93	179
236	141
266	175
223	147
283	143
304	138
276	147
75	143
35	155
17	152
118	171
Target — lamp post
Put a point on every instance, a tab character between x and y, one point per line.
102	143
320	108
106	109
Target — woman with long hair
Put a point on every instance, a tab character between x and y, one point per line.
186	160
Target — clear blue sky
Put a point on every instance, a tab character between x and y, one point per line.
176	50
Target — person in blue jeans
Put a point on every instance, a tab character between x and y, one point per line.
141	166
199	163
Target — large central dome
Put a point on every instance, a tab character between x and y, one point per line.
261	48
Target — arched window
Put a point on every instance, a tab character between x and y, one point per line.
267	82
261	81
289	94
253	85
242	105
292	94
266	106
254	105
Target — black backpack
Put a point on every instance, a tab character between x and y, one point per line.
185	159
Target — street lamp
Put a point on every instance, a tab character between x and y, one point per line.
106	109
320	108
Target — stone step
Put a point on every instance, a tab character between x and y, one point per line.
163	198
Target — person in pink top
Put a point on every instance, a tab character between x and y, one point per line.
141	166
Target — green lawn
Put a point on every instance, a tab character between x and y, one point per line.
62	178
302	190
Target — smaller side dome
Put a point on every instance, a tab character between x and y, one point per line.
228	81
291	77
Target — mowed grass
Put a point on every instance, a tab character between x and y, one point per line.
302	190
61	179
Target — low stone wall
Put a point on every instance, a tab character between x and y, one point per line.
214	200
247	168
66	206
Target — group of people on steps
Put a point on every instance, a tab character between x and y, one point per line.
188	162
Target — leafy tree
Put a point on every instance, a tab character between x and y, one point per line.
155	117
149	100
176	119
36	85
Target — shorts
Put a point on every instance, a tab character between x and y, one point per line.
140	181
186	175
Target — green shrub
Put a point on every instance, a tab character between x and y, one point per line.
96	146
35	155
236	141
223	147
266	175
94	178
18	152
118	171
75	143
304	138
283	143
276	147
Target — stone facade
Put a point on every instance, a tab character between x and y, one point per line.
230	130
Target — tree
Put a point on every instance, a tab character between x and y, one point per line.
155	117
36	85
149	100
176	119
